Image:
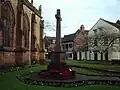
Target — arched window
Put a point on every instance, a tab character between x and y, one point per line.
8	18
26	27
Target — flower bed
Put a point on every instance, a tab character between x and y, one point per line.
64	71
9	82
25	78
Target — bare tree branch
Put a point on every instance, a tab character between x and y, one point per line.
99	42
104	40
51	26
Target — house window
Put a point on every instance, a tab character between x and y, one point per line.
53	41
63	46
66	46
70	55
70	45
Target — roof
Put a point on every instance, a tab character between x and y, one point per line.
117	24
70	37
48	37
112	23
48	40
66	38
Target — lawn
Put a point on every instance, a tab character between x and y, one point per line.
97	66
8	81
86	71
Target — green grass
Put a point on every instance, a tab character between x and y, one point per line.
8	81
85	71
92	72
98	66
92	64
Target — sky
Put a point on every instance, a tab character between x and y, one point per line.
74	13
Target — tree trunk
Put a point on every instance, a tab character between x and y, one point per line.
74	55
95	56
80	55
101	56
85	55
90	55
106	56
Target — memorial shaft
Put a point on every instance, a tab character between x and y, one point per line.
58	37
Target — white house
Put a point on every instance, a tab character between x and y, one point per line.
113	51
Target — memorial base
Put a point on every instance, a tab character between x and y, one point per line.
63	73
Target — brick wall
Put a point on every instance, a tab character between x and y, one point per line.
33	55
19	57
9	57
26	56
1	58
41	58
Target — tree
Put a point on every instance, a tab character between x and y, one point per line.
81	42
50	26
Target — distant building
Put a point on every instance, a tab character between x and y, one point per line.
68	44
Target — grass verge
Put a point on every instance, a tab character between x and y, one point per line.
97	66
8	81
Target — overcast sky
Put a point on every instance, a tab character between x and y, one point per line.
77	12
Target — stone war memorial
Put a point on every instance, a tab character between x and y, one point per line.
57	69
59	74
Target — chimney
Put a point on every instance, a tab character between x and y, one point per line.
32	2
82	27
118	22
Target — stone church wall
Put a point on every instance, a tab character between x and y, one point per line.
24	56
9	57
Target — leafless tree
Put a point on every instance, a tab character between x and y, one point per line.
80	41
50	26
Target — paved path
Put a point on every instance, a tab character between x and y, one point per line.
35	76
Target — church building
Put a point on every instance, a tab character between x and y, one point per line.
21	32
